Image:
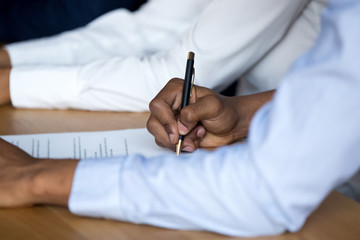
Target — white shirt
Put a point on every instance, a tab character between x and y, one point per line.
121	60
301	145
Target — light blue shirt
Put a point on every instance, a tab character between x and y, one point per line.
301	145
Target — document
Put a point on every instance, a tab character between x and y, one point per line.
88	144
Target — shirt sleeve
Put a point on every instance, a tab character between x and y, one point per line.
154	27
300	146
224	47
267	73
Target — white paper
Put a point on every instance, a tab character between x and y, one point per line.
78	145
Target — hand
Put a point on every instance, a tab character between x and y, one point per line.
4	59
25	181
4	86
210	120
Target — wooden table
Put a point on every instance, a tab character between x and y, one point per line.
337	218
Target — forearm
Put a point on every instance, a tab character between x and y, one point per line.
4	59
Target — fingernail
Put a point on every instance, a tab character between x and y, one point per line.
188	149
172	138
182	129
200	133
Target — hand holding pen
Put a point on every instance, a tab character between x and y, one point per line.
210	120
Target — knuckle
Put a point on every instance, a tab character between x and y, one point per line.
155	104
175	83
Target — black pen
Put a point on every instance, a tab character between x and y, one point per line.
189	79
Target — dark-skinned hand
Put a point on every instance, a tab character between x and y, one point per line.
210	120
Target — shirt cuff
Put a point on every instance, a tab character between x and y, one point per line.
38	51
50	87
95	192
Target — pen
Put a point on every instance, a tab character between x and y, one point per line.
189	80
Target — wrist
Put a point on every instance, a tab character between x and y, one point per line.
51	181
244	113
247	106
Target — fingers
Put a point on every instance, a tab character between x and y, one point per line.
193	140
164	123
164	137
164	110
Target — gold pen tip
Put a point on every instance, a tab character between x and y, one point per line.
178	148
191	55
